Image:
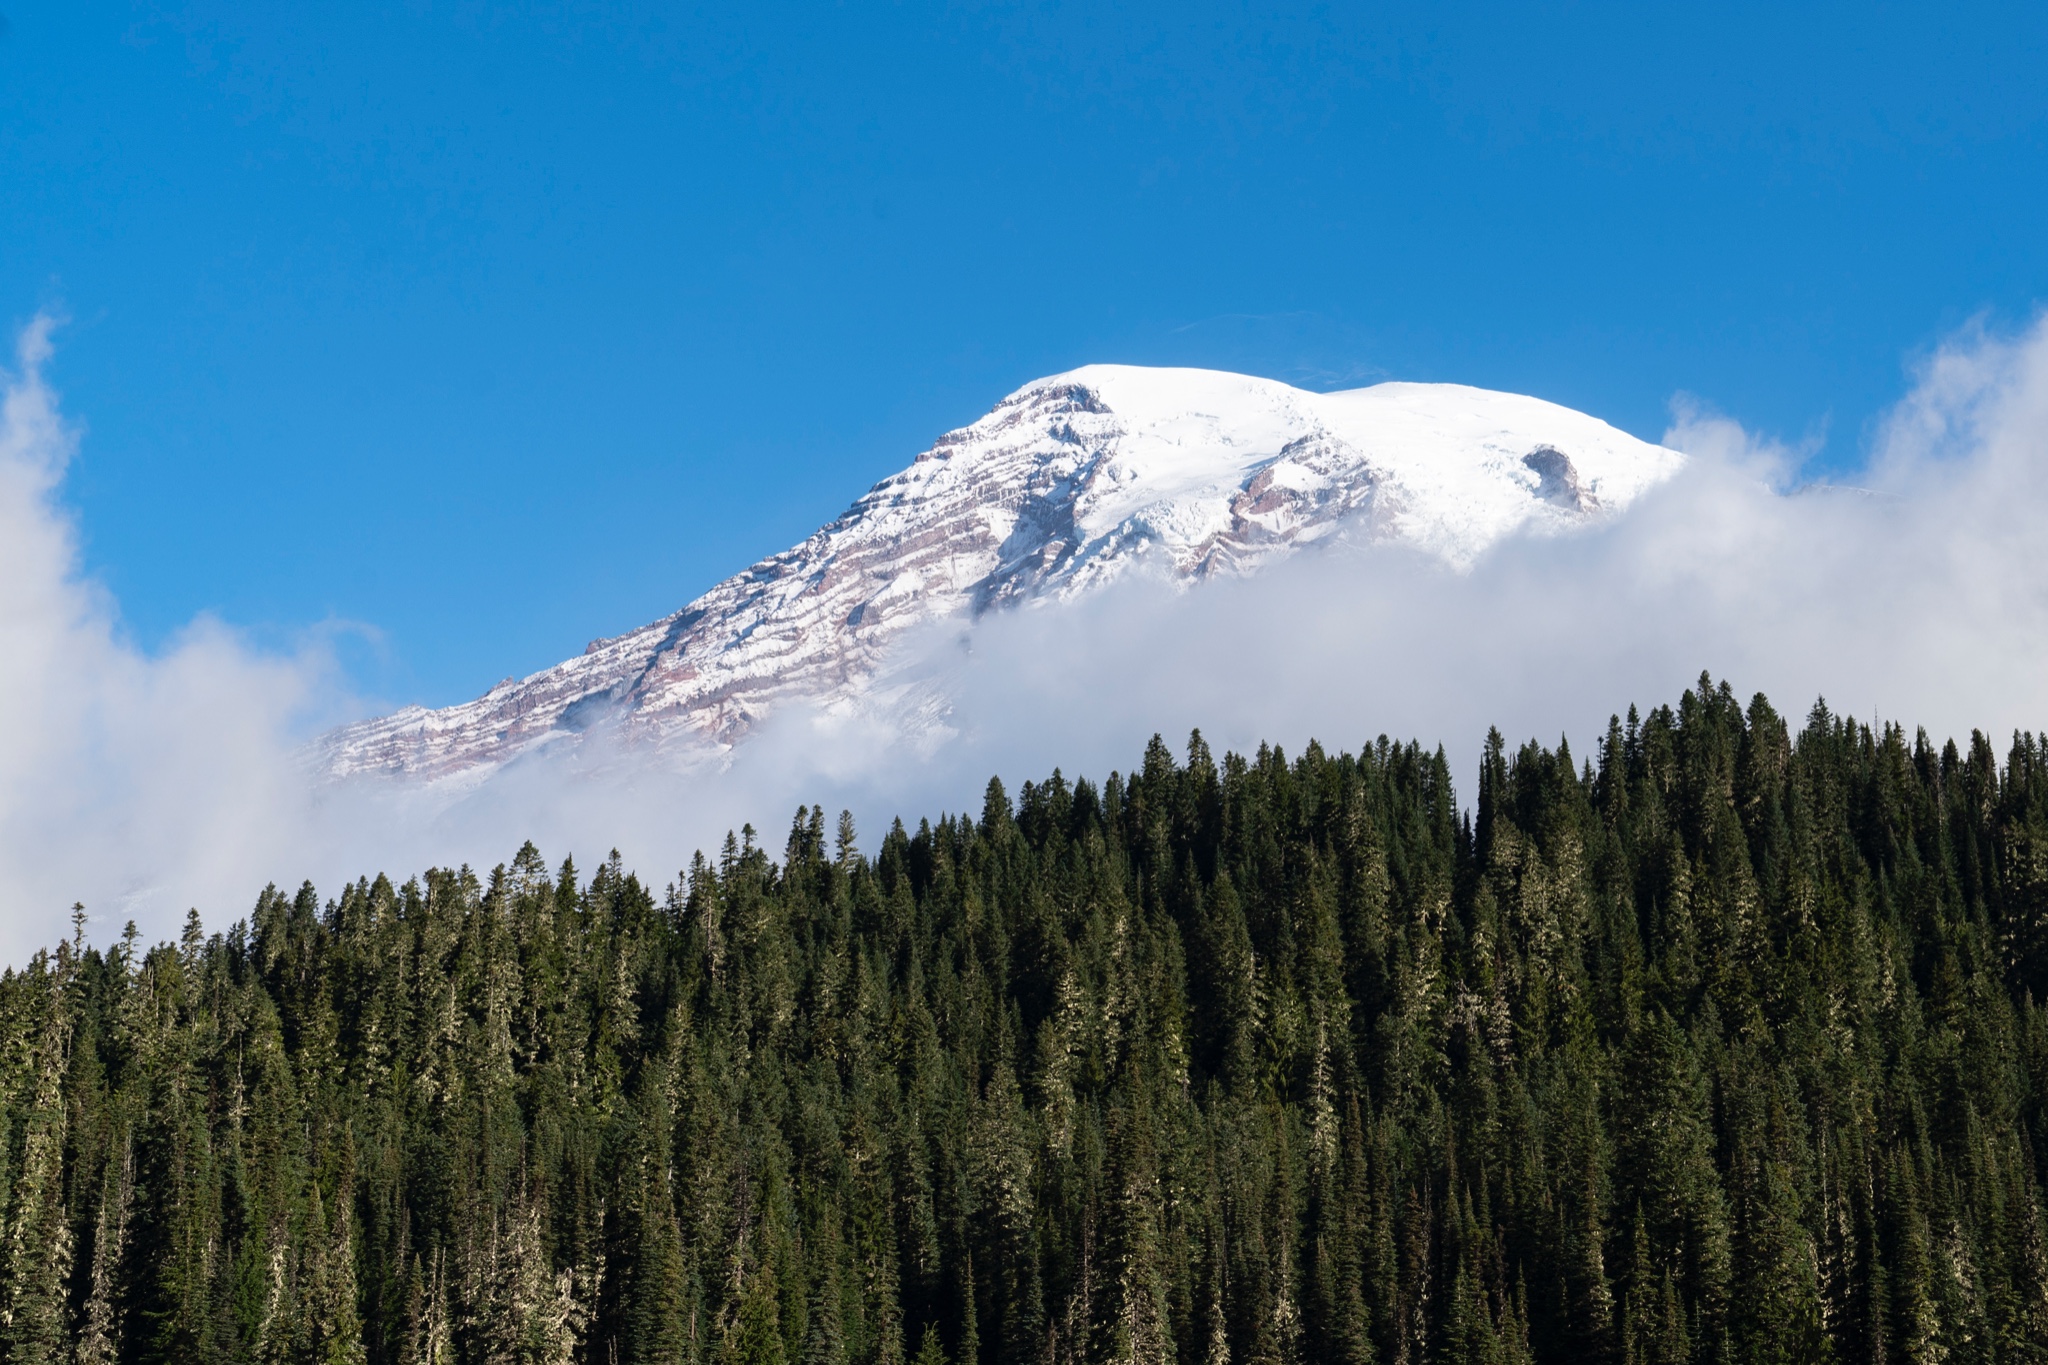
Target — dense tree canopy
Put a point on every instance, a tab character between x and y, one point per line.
1724	1046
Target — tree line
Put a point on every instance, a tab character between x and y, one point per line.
1724	1044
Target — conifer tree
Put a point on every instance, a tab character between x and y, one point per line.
1725	1045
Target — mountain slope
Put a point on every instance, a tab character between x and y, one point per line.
1067	484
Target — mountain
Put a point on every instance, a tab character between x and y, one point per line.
1066	485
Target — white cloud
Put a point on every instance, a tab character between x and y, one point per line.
1916	595
126	780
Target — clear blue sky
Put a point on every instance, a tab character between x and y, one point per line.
501	327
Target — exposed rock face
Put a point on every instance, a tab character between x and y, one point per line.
1068	483
1557	481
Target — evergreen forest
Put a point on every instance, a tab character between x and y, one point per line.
1726	1042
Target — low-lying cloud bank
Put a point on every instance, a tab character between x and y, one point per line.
143	784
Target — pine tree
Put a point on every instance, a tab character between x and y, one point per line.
1725	1046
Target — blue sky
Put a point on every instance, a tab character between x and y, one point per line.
496	328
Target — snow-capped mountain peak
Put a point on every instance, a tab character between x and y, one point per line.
1065	485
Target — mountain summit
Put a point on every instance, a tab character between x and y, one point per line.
1065	485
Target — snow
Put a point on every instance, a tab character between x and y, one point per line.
1065	485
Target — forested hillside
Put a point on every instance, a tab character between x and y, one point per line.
1722	1046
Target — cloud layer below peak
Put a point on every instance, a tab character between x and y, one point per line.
145	783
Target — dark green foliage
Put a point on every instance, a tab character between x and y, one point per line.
1726	1046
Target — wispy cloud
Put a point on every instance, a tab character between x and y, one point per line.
126	779
142	784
